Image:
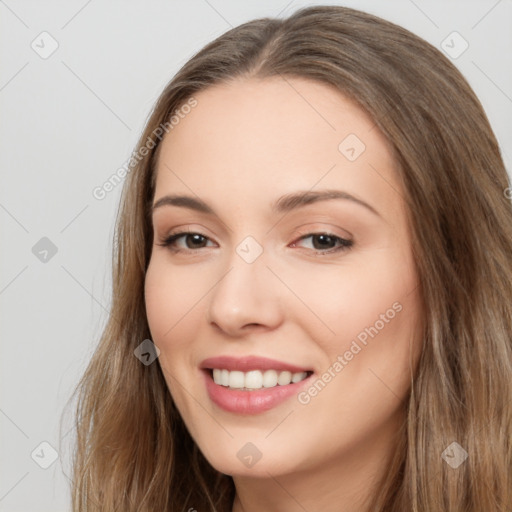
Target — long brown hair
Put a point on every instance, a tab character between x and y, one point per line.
133	452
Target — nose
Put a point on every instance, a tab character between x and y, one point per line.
247	298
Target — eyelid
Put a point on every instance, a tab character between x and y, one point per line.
309	228
188	229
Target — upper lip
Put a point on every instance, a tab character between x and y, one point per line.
248	363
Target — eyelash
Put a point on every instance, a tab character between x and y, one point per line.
344	243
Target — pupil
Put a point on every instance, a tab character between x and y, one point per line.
196	238
324	238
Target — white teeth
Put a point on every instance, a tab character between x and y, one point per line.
284	378
270	379
297	377
236	379
255	379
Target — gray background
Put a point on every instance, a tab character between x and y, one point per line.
67	123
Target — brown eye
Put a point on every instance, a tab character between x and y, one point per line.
192	241
327	242
195	240
323	242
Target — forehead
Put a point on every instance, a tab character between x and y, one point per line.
255	136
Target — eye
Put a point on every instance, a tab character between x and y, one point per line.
196	241
326	243
322	243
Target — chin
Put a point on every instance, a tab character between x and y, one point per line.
247	459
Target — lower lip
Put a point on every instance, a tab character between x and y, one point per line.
250	402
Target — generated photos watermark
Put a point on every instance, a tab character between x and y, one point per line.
100	192
304	397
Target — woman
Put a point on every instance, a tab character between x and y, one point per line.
312	289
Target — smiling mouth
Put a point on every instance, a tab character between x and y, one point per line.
255	380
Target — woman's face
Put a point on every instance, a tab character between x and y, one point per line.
273	268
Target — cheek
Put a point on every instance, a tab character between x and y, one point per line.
173	311
370	312
172	304
344	300
160	299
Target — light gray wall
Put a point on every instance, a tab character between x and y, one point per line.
68	121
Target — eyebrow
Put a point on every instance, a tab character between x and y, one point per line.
283	204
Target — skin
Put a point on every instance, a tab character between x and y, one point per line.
245	144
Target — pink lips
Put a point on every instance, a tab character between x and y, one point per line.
250	402
248	363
